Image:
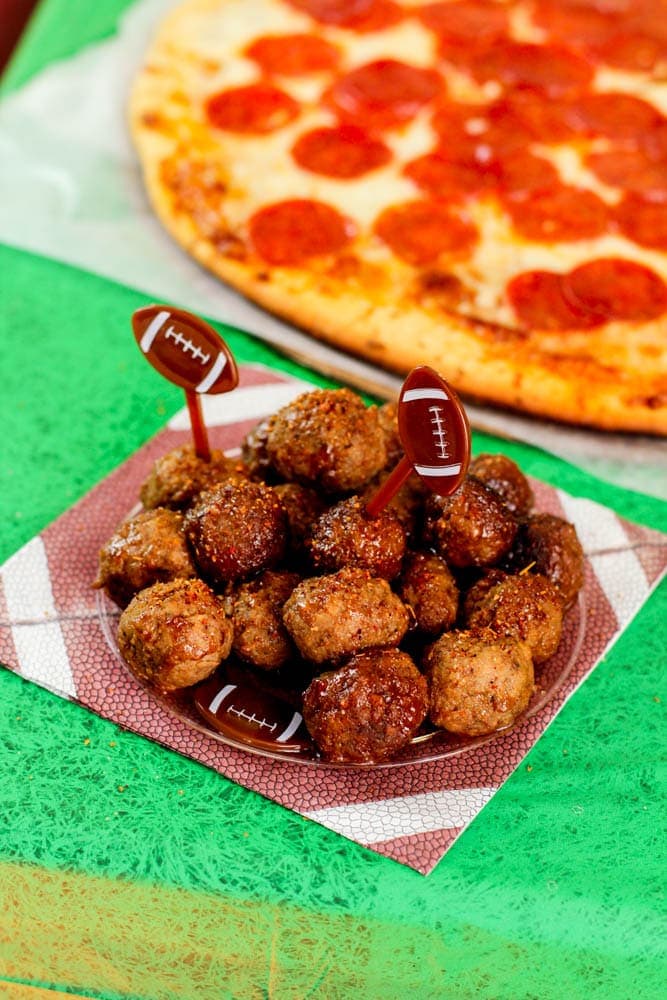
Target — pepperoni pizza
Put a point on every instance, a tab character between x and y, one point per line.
472	184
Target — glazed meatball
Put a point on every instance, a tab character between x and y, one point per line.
345	535
331	617
428	587
473	527
303	506
368	709
180	475
149	548
527	606
476	592
236	530
260	638
253	450
328	439
478	682
174	634
505	478
407	503
551	547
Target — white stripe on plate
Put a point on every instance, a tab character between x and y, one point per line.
38	638
253	401
620	574
375	822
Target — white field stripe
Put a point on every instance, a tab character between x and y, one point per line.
253	401
424	394
375	822
152	330
620	574
38	638
438	470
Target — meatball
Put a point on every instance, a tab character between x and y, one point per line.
368	709
428	587
253	450
174	634
478	682
236	530
331	617
505	478
473	527
526	606
551	547
180	475
329	439
149	548
260	638
345	535
388	418
476	593
303	507
407	503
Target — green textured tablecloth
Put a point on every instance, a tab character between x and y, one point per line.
126	870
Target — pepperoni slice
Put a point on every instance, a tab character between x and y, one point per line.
384	93
547	68
419	232
538	301
447	177
257	108
523	173
631	170
632	50
532	116
361	15
465	127
643	220
343	152
560	214
288	233
293	55
616	116
575	24
465	20
612	288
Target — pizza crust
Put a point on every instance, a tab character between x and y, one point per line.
614	377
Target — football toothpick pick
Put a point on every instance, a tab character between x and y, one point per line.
190	353
435	433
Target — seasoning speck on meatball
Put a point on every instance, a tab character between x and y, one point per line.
478	682
177	477
331	617
527	606
236	530
149	548
550	546
329	439
174	634
260	638
345	535
368	709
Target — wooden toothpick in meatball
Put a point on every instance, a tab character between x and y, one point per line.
328	439
368	709
177	477
478	682
174	634
332	617
149	548
428	587
260	638
473	527
527	606
505	478
344	535
236	530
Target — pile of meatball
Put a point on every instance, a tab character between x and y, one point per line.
437	612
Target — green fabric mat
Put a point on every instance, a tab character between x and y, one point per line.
128	871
